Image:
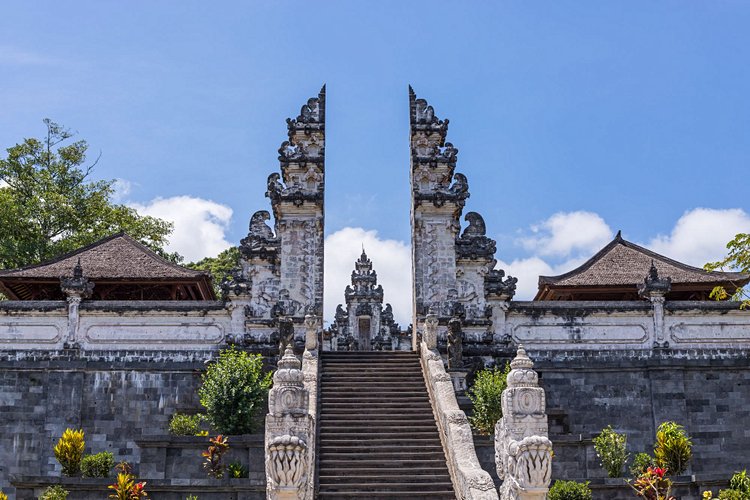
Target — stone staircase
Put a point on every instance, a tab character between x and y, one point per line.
378	436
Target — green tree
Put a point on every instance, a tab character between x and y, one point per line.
220	266
737	259
234	391
50	206
485	396
611	449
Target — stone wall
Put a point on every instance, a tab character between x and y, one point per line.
705	390
122	399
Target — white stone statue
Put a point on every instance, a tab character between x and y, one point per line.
523	451
289	432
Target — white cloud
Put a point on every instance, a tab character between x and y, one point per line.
3	183
199	225
20	57
391	259
122	188
567	233
701	235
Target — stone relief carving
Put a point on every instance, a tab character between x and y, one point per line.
455	344
287	465
473	243
494	284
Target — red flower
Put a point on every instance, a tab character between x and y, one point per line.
659	471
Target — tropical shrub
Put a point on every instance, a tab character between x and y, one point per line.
98	465
641	462
126	486
185	425
725	495
611	449
484	394
653	484
569	490
55	492
234	389
739	488
213	463
69	451
740	482
237	471
673	448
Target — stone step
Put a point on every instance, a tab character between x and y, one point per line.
404	423
422	409
367	449
404	398
377	434
383	442
413	433
357	469
388	495
381	477
438	486
384	455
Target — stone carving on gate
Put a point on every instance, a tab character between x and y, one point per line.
523	451
289	433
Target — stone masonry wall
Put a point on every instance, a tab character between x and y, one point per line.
116	397
705	390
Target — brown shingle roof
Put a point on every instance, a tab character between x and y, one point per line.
622	263
117	257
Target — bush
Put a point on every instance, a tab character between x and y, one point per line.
673	448
98	465
740	482
3	496
238	471
54	493
185	425
641	463
611	449
234	390
69	451
569	490
214	456
126	486
739	489
489	385
653	484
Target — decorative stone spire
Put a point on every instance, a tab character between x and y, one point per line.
653	284
77	286
523	451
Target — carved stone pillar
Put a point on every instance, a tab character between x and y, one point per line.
290	435
655	288
429	336
523	451
236	291
75	289
311	333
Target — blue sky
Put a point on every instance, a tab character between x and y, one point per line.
572	119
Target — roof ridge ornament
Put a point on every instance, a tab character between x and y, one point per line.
653	284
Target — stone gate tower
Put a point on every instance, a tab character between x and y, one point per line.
453	272
281	275
365	324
